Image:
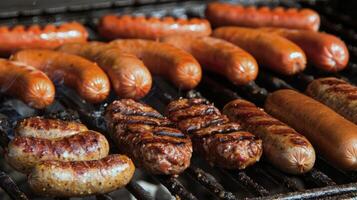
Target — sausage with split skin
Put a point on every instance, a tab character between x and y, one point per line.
89	80
332	135
129	76
218	56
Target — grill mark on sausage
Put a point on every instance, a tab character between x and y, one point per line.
226	128
193	124
194	111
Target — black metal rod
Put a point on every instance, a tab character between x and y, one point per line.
138	191
175	187
319	178
103	197
10	187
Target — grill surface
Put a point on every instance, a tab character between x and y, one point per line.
200	181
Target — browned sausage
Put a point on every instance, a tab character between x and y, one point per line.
48	37
224	14
86	77
26	83
113	27
218	56
128	74
332	135
176	65
81	178
282	146
270	50
325	51
23	153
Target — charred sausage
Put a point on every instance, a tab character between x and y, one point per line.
270	50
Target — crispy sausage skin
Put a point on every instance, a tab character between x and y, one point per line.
148	138
114	27
48	37
224	14
332	135
47	128
218	56
337	94
282	146
84	76
129	76
270	50
175	64
325	51
23	153
26	83
81	178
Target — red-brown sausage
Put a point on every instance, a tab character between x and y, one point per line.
128	74
81	178
224	14
325	51
84	76
270	50
48	37
218	56
26	83
113	27
332	135
176	65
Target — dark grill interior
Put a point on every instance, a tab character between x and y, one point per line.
200	181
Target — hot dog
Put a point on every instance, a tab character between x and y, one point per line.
218	56
128	74
81	178
270	50
47	128
85	77
163	59
224	14
113	27
34	36
325	51
26	83
23	153
332	135
282	146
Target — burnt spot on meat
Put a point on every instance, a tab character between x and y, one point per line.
193	111
186	103
193	124
163	131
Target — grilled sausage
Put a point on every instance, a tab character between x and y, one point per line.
128	74
332	135
26	83
218	56
282	146
81	178
147	137
24	153
85	77
220	142
47	128
224	14
113	27
270	50
325	51
163	59
48	37
337	94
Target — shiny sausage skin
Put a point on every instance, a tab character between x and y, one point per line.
47	128
336	94
129	76
114	27
282	146
28	84
48	37
270	50
89	80
224	14
325	51
81	178
23	153
218	56
174	64
332	135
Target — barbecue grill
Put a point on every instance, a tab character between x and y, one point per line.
199	181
